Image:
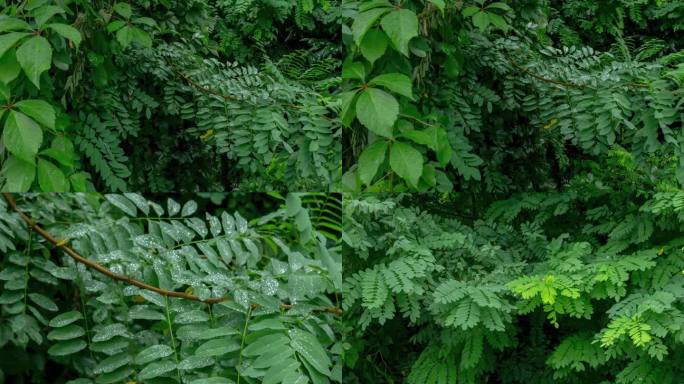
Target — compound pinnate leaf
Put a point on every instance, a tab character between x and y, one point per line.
217	347
195	362
43	301
123	204
265	343
112	363
152	353
156	369
66	318
213	380
310	349
64	348
68	332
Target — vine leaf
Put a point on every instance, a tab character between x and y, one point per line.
38	110
374	45
364	21
395	82
22	136
371	158
377	110
407	162
401	26
51	178
35	57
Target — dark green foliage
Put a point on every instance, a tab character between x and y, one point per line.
278	268
169	95
503	96
583	285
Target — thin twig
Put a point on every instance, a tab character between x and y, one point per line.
118	277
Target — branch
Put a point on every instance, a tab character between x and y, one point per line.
118	277
527	71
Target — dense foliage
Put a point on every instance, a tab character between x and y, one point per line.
505	96
228	299
169	95
585	285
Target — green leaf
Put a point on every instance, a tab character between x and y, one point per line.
217	347
115	26
470	11
123	9
18	174
13	24
501	6
62	150
213	380
272	357
38	110
439	4
5	95
69	332
353	70
35	57
156	369
64	348
51	178
8	41
310	349
195	362
22	136
189	208
498	22
65	319
371	158
125	36
400	26
364	21
190	317
348	111
481	20
116	377
112	363
152	353
395	82
433	137
264	344
45	13
123	204
377	110
79	182
277	373
9	66
43	301
128	35
374	45
145	21
68	32
407	162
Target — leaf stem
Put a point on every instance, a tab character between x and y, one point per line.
26	271
173	340
242	343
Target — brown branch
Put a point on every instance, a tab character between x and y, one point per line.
118	277
544	79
